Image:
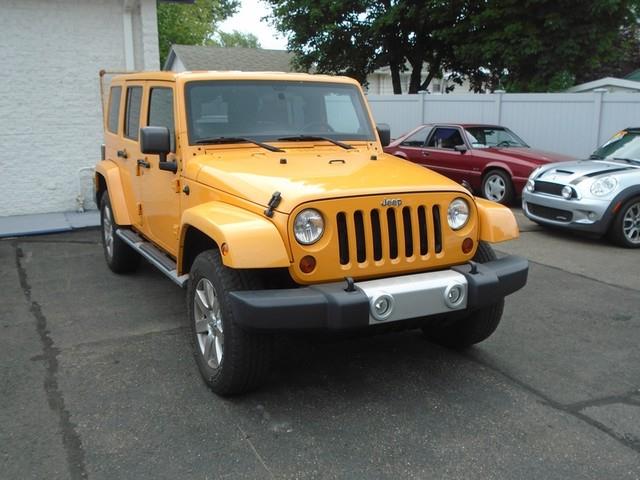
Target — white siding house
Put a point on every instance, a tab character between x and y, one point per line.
50	112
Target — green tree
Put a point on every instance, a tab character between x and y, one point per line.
190	24
538	45
235	39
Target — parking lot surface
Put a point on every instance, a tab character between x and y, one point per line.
97	380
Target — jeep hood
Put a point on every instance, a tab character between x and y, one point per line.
312	175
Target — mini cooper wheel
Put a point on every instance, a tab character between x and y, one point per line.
497	187
230	359
625	229
474	328
120	257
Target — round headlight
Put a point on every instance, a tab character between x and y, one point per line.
458	213
308	226
604	186
531	185
567	192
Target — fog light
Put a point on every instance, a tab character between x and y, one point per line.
567	192
454	295
592	216
467	245
307	264
381	306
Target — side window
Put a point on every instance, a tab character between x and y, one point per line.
445	138
132	121
161	111
418	139
114	109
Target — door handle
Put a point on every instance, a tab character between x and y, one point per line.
122	154
143	163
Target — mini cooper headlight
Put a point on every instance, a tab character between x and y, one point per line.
458	213
531	185
604	186
308	226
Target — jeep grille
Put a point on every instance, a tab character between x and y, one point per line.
394	231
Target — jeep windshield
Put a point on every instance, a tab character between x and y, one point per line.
269	111
624	146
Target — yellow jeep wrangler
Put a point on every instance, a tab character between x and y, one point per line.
269	197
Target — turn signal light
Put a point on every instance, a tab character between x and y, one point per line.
307	264
467	245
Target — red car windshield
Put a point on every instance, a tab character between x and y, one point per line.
487	137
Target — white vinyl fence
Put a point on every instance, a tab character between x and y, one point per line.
570	123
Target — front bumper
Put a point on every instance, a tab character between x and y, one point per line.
331	307
588	215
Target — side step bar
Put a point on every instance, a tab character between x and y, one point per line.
155	256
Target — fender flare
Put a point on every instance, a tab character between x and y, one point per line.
252	240
496	166
110	172
496	223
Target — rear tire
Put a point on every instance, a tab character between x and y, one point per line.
625	228
230	359
120	257
498	187
474	328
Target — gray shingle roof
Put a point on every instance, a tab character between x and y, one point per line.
195	57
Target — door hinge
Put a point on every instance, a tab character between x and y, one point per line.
176	185
140	209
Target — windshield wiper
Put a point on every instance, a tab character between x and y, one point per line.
220	140
628	160
304	138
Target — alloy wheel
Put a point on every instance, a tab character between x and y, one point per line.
494	188
631	223
208	323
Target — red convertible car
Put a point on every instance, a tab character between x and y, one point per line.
488	159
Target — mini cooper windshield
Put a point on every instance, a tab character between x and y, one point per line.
624	146
275	111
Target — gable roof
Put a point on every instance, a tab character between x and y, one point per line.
604	83
195	57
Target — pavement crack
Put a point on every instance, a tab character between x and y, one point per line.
70	438
629	398
632	443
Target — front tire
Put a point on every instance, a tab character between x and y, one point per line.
475	327
120	257
230	359
498	187
625	228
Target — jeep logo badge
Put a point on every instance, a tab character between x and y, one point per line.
391	202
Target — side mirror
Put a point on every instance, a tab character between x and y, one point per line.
157	141
460	148
384	132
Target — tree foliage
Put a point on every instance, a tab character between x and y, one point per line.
235	39
523	45
190	24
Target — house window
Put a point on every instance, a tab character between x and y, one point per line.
114	109
132	123
161	111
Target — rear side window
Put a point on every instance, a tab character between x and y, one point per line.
161	111
114	109
132	122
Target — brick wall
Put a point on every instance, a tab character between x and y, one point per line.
50	113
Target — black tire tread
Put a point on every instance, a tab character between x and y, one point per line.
509	193
248	362
615	233
124	258
477	326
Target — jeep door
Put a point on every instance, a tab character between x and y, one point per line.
160	188
121	146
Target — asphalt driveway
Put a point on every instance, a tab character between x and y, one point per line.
97	381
